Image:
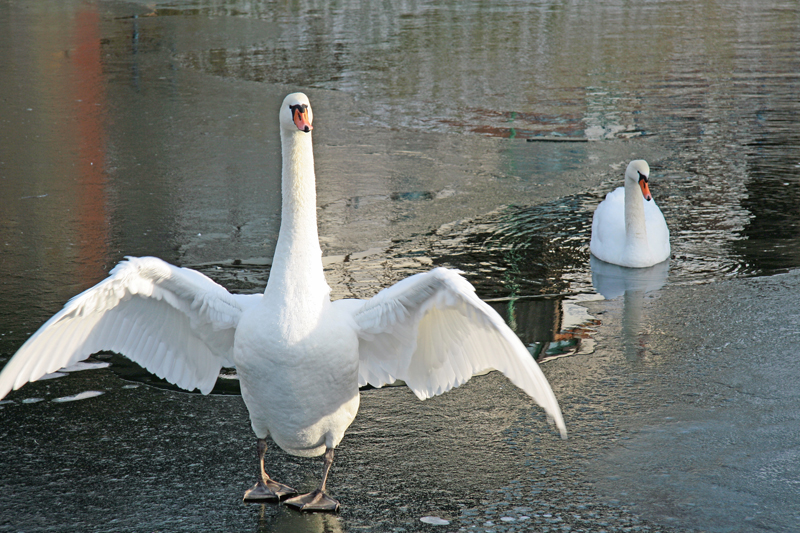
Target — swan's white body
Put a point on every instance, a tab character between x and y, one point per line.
627	230
300	357
296	354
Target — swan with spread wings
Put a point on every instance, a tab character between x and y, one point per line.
299	356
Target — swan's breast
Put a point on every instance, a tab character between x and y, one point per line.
299	387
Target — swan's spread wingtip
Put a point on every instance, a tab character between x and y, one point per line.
562	428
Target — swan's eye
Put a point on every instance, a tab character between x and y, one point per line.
642	177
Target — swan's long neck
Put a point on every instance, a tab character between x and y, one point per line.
296	276
635	227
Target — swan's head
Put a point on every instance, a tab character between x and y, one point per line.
638	172
296	113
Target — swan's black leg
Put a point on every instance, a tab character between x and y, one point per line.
317	500
266	489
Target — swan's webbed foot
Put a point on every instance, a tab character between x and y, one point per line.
314	501
317	500
268	491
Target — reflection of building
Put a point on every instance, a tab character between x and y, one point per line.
550	327
90	105
532	320
53	137
513	71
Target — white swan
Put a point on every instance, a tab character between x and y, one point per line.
300	357
626	230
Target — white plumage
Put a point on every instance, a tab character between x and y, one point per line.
628	228
300	357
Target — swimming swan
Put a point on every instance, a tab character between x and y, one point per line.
626	230
300	358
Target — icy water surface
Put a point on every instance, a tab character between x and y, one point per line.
473	135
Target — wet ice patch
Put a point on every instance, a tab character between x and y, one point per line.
75	397
77	367
434	521
32	400
82	365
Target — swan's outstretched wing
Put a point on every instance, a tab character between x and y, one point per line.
434	333
173	321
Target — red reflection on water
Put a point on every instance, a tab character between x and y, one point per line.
88	89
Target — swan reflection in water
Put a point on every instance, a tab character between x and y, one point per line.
613	281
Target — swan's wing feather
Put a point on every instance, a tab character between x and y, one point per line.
173	321
608	226
434	333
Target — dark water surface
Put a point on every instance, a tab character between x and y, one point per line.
149	128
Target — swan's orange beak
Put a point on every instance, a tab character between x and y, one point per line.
300	117
645	188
